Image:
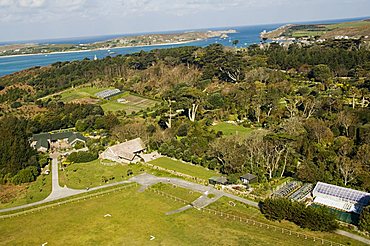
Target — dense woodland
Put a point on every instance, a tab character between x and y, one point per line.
308	106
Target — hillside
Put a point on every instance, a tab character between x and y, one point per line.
126	41
354	29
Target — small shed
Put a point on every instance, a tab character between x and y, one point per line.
248	179
218	180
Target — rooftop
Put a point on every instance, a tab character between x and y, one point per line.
343	193
128	149
221	180
248	176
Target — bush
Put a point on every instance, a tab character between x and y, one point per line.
183	130
15	105
313	218
43	161
80	157
364	223
26	175
129	172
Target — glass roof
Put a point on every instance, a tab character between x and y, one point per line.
343	193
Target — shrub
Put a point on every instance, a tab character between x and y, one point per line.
15	105
364	223
129	172
26	175
183	130
313	218
80	157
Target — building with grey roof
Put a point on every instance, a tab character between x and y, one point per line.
42	141
127	152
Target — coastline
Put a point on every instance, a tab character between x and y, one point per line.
89	50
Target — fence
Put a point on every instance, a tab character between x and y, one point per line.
57	204
164	194
240	219
185	176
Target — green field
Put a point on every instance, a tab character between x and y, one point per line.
179	192
83	92
245	211
90	174
178	166
135	217
134	103
36	191
357	28
231	129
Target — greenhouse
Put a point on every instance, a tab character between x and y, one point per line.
341	198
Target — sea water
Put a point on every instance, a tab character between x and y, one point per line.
246	35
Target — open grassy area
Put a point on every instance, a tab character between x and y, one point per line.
134	103
91	174
135	217
82	92
231	129
26	193
356	28
245	211
187	195
178	166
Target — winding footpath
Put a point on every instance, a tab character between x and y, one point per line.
147	180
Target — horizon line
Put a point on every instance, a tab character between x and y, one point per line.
24	41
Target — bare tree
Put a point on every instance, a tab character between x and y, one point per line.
346	119
291	105
348	169
193	112
170	115
233	75
309	105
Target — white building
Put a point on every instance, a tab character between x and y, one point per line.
340	198
127	152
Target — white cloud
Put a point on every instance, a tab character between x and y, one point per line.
5	3
78	17
30	11
31	3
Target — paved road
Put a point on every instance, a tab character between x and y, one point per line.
147	180
353	236
58	192
182	209
203	201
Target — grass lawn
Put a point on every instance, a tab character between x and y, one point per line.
187	195
133	103
231	129
90	174
82	92
82	175
24	194
245	211
178	166
135	217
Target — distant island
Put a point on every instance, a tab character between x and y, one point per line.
126	41
346	30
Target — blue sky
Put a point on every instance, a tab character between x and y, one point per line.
41	19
